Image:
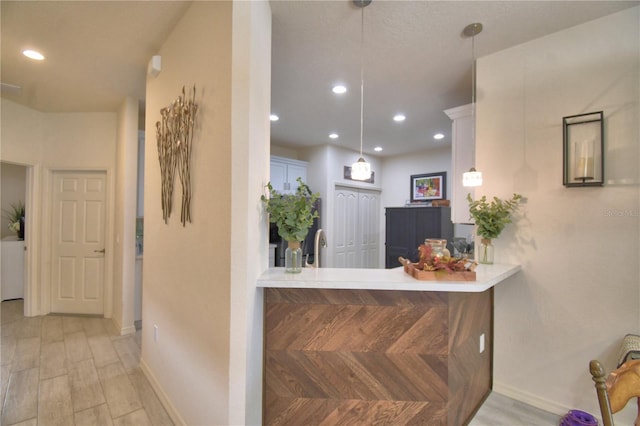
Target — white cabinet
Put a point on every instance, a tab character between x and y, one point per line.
462	159
12	270
284	172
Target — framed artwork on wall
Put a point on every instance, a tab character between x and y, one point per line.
428	187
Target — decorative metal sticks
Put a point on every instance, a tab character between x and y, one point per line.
174	135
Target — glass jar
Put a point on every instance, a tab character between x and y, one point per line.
438	247
485	251
293	257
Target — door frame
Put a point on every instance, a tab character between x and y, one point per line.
47	234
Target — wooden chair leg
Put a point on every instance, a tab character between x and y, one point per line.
598	376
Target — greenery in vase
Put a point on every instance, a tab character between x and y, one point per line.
492	217
14	215
293	214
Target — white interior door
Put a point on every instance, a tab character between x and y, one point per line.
356	223
78	224
369	228
345	204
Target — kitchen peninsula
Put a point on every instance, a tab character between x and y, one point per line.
376	346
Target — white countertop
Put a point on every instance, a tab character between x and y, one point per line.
382	279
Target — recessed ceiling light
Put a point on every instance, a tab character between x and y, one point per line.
339	89
333	136
399	117
32	54
377	148
274	117
438	136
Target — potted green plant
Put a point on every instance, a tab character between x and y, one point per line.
293	214
15	216
490	219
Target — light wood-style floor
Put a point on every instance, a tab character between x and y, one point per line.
498	410
64	370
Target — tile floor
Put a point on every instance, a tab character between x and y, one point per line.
67	370
498	410
64	370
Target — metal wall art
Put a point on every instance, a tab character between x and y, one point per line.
174	135
583	150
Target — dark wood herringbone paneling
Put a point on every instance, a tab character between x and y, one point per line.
373	357
470	315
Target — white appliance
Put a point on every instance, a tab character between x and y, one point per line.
12	274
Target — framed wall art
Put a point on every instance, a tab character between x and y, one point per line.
428	187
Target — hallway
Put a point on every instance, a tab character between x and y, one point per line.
67	370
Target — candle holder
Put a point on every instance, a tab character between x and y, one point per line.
583	150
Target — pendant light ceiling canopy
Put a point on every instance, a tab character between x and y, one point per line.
473	177
361	170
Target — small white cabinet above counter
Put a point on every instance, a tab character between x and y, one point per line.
284	172
462	159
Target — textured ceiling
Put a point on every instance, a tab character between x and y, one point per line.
97	51
416	60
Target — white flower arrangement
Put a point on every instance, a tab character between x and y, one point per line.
15	226
14	215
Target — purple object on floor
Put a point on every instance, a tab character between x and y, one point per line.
578	418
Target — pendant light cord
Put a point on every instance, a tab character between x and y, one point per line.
473	95
361	81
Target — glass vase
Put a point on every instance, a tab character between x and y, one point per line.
437	246
293	257
485	251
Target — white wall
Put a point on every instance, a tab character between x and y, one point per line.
251	99
578	293
199	280
392	178
397	171
125	216
46	142
285	152
396	178
22	133
326	170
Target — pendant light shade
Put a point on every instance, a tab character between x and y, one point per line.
472	177
361	170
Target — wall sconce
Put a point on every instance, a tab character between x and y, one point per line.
583	150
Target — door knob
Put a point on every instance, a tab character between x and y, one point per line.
99	251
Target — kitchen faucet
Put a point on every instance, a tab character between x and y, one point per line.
319	240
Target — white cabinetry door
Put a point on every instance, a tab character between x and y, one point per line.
278	175
284	173
462	159
356	222
12	270
369	212
345	204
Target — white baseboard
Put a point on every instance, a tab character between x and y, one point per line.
530	399
123	330
164	399
127	330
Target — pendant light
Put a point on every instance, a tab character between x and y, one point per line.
473	177
361	170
